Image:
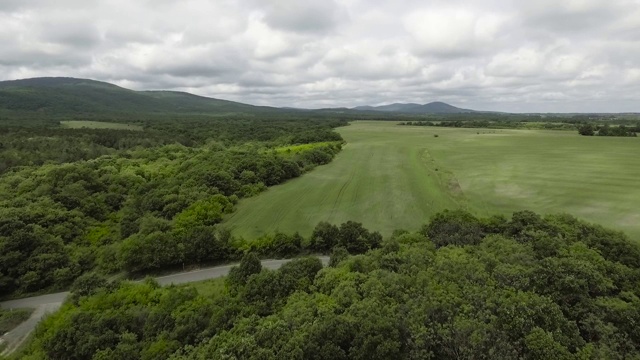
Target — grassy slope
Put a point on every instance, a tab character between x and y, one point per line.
390	177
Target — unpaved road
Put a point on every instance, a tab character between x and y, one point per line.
49	303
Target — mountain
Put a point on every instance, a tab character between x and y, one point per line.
64	97
70	96
436	107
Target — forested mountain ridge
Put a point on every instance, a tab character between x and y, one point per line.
69	96
62	97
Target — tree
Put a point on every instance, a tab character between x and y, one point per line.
337	255
356	239
238	275
153	251
88	284
324	237
586	130
206	212
457	227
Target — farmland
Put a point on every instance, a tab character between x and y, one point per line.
391	177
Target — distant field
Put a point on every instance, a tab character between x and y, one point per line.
390	177
99	125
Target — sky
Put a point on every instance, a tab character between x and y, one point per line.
501	55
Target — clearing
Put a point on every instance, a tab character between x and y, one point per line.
99	125
390	177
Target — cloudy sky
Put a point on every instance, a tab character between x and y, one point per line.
521	56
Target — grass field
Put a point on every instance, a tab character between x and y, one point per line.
390	177
99	125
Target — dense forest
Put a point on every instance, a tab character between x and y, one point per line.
76	200
528	287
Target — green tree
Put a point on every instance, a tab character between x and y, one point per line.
238	275
455	227
324	237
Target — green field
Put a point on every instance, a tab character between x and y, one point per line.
390	177
99	125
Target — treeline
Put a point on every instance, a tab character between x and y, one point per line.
495	124
529	287
34	143
584	128
37	146
141	207
606	130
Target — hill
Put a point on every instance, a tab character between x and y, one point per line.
65	97
436	107
70	96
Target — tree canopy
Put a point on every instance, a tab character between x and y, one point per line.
528	287
74	201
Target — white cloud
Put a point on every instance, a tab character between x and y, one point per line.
453	32
302	16
492	55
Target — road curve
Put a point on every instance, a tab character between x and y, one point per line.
46	304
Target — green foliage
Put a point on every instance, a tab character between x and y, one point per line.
351	236
239	275
621	130
9	319
324	237
504	296
338	254
138	201
586	130
207	212
88	284
456	227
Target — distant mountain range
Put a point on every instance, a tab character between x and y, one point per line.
63	96
436	107
79	96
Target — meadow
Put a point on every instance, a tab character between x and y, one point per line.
99	125
391	177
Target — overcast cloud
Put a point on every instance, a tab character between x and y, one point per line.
521	56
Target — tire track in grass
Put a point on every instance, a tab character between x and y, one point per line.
283	209
341	194
356	192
